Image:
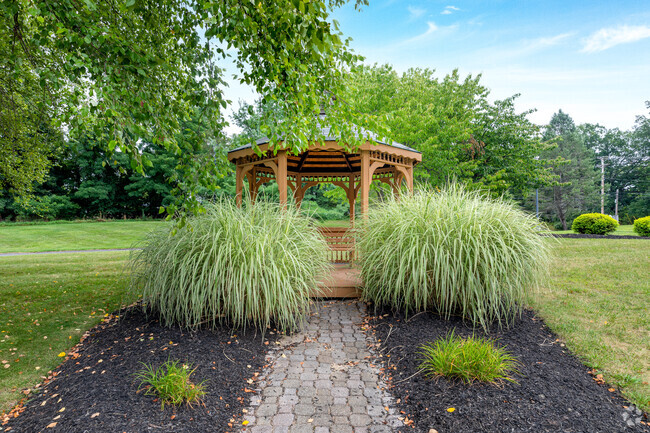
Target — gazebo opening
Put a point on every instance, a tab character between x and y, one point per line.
328	162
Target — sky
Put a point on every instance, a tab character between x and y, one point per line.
589	58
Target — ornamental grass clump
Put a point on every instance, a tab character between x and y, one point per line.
594	224
468	359
256	265
454	252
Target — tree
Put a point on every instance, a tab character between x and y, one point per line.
640	203
128	71
86	181
575	191
460	133
627	165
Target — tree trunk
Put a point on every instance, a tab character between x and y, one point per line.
557	198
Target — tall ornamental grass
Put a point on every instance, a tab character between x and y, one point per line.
454	252
257	265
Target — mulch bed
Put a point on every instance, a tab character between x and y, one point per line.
98	391
581	236
555	393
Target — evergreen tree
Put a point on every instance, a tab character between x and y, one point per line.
576	189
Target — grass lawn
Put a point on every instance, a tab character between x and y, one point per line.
334	223
626	230
598	303
73	236
46	304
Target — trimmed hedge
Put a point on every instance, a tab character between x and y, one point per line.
594	224
642	226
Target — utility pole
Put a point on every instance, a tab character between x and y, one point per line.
602	184
616	208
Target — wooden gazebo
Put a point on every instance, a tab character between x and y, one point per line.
327	162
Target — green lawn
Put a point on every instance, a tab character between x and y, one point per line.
627	230
597	301
334	223
73	236
46	304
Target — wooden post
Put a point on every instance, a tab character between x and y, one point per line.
281	177
409	178
239	184
298	193
365	182
351	199
251	184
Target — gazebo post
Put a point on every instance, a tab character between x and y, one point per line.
365	182
239	184
298	193
351	199
409	178
281	178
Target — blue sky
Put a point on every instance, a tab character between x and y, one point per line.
589	58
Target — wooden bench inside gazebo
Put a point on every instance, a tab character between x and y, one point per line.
328	162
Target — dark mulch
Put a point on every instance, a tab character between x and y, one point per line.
555	394
581	236
100	380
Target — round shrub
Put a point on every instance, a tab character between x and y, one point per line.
642	226
594	224
454	252
255	265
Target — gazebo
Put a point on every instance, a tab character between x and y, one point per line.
327	162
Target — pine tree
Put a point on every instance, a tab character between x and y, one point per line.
576	191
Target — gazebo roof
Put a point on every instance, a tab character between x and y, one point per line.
326	132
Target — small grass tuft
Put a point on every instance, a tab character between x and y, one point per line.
171	383
468	359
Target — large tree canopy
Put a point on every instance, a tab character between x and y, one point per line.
128	71
460	133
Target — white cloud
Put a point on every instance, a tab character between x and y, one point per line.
550	41
449	10
431	28
522	48
610	37
416	12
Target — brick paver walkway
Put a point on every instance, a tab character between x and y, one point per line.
321	380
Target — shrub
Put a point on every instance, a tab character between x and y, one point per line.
594	224
642	226
467	359
255	265
454	252
171	383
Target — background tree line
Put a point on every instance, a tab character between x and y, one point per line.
462	135
578	150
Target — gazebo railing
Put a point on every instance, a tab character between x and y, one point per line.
340	242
